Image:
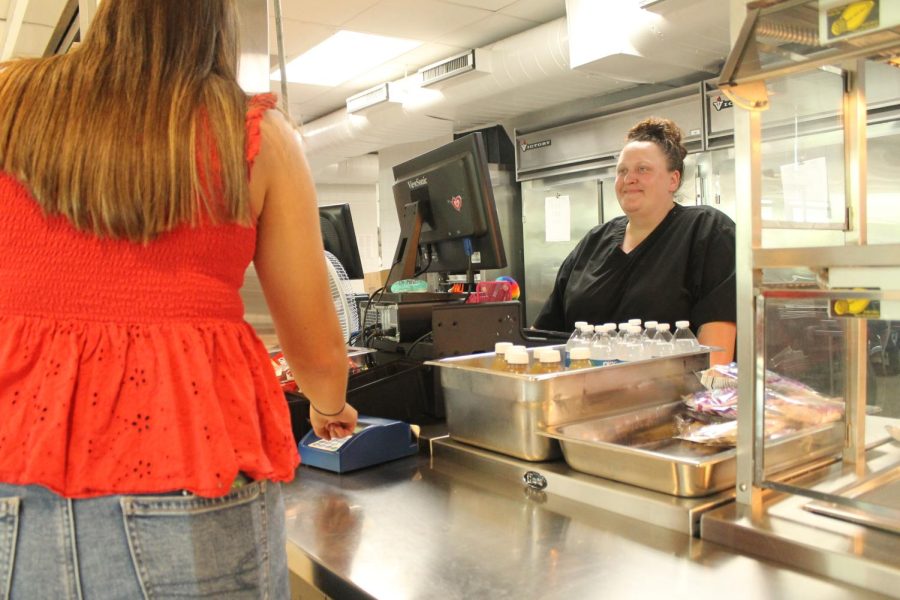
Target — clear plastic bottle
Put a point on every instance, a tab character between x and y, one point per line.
517	361
662	341
550	362
683	339
500	349
601	347
649	331
620	352
573	341
633	344
581	358
579	337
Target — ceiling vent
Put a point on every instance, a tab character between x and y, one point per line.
456	68
380	96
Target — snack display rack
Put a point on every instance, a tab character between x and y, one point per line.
841	520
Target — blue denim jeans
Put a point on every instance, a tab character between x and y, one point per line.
154	546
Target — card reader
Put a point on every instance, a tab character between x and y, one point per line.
374	441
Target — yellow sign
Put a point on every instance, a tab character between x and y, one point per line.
839	19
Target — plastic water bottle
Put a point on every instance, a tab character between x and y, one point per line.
572	342
649	331
634	343
683	338
579	338
662	341
601	347
500	349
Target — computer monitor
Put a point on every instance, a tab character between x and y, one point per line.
340	238
448	218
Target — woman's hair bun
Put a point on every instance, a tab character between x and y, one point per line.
663	132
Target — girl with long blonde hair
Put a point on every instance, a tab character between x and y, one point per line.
143	435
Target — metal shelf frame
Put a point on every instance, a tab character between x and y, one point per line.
752	258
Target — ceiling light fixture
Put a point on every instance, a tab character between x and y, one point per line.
344	56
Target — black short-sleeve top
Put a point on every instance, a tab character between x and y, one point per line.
683	270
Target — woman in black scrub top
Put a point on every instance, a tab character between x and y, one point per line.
661	261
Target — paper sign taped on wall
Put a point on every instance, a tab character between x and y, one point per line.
557	216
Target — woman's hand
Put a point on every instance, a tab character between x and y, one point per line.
336	426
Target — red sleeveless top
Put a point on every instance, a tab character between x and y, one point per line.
128	368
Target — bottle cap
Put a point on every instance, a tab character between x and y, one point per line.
682	324
651	324
580	353
610	325
518	347
634	321
502	347
538	352
587	328
517	357
578	324
550	356
622	326
662	327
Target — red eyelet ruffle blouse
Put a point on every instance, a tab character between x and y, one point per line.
128	368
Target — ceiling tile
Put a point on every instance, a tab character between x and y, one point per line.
485	4
334	12
42	12
299	36
539	11
33	40
424	20
484	32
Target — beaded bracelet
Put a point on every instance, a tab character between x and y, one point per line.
334	414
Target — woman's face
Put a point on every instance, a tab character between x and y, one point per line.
644	183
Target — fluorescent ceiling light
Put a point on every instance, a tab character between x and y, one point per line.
343	56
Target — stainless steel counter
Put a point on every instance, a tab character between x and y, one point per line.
831	547
418	529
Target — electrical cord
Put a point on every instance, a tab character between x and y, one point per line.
421	338
380	291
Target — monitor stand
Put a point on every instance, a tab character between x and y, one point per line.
408	244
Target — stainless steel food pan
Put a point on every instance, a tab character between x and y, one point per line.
637	447
503	411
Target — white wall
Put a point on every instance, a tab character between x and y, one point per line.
363	201
390	222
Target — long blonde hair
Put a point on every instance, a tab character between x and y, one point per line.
119	136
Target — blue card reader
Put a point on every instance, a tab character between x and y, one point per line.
374	441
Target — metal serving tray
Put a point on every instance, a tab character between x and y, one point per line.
505	412
637	447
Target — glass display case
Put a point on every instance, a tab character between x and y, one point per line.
818	347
